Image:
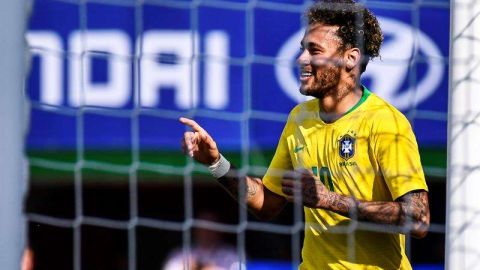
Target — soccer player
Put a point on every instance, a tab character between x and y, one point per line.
350	156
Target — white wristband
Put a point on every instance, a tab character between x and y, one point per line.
219	168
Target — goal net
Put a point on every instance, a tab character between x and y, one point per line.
109	186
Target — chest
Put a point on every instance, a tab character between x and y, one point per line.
339	155
329	143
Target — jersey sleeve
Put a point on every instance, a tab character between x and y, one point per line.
280	163
397	153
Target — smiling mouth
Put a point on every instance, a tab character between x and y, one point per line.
305	75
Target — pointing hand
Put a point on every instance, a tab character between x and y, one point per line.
198	144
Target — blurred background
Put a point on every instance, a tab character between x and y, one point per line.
109	187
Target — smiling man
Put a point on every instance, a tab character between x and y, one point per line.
350	156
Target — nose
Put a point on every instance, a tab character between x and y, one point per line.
304	58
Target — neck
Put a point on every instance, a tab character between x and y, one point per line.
335	104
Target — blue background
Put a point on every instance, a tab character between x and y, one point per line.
251	86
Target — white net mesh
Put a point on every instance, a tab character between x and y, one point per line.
111	78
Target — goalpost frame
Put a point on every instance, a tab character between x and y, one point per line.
463	182
12	75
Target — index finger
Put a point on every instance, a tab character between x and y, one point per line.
191	123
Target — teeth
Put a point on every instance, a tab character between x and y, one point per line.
306	74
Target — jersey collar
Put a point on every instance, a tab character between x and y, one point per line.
366	93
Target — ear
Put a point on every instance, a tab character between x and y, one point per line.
352	58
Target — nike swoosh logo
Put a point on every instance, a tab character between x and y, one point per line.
298	148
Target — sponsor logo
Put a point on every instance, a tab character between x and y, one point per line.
298	148
167	64
387	76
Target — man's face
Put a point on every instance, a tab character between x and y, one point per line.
320	61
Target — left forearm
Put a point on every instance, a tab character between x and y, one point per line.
411	211
391	213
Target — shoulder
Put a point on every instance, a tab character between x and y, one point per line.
303	111
384	115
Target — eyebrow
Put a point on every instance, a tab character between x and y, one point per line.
311	45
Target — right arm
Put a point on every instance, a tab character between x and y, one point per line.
261	202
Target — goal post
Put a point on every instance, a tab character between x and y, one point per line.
12	70
463	202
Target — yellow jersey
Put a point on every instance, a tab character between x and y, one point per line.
369	153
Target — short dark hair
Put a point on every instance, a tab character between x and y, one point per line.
358	27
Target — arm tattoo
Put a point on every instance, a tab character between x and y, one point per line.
339	204
417	213
410	211
251	188
381	212
232	183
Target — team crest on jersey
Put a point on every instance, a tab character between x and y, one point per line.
346	147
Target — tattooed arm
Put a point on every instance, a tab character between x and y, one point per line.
199	145
410	210
261	202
